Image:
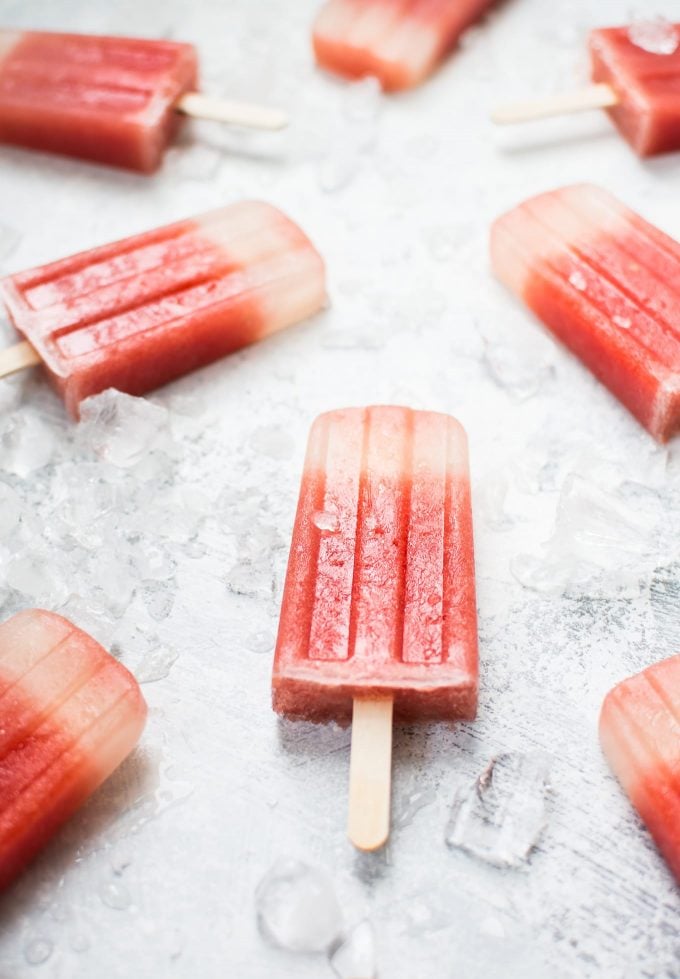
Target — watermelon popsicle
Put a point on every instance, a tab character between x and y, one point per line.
378	611
607	284
640	737
636	78
113	100
70	715
140	312
400	42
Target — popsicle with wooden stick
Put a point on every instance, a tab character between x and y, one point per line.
70	713
140	312
378	616
639	88
115	100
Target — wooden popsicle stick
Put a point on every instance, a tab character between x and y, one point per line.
593	97
18	357
370	773
235	113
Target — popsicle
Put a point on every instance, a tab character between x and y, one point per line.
640	736
400	42
378	612
607	284
638	84
70	715
114	100
140	312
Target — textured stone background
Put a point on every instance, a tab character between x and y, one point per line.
164	529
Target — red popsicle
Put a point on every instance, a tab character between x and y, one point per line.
640	735
379	602
140	312
607	284
638	86
400	42
70	713
114	100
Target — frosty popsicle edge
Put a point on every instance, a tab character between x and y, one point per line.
70	714
140	312
378	612
640	737
607	284
113	100
399	44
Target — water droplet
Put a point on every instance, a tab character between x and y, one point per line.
654	34
578	280
115	895
38	950
260	642
326	521
622	321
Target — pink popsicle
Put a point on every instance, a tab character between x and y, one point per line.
640	736
400	42
109	99
607	284
647	84
140	312
70	713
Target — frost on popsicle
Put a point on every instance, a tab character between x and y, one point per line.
654	34
500	817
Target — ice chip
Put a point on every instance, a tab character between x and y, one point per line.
520	372
654	34
326	521
354	957
578	281
500	817
122	429
297	908
411	805
26	444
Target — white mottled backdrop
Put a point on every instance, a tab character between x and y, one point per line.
162	526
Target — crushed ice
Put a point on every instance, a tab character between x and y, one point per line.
654	34
500	817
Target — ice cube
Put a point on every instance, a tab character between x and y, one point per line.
520	371
354	957
121	429
26	444
408	808
654	34
500	817
297	908
157	663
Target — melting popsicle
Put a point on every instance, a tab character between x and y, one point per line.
70	715
640	736
400	42
114	100
140	312
379	611
637	82
607	284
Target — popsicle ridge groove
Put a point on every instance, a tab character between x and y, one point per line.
364	489
312	573
17	679
572	252
69	690
72	746
662	694
405	525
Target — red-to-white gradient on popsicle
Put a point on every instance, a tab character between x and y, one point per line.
140	312
380	592
109	99
647	84
69	714
400	42
607	284
640	736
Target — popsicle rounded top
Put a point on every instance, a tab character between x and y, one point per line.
138	313
640	737
398	43
108	99
607	284
647	86
70	714
379	599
